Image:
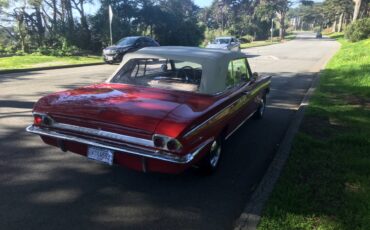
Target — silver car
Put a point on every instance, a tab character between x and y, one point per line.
229	43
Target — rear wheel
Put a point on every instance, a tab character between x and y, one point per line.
211	162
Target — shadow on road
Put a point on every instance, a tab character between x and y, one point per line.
44	188
16	104
68	191
17	76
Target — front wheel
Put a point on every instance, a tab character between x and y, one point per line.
261	108
212	160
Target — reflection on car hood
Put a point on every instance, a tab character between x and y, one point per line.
114	47
217	46
125	105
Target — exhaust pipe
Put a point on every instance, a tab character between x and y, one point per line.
62	146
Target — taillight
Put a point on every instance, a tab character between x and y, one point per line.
37	120
166	143
173	145
42	119
159	142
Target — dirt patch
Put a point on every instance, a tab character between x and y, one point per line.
54	63
320	127
353	100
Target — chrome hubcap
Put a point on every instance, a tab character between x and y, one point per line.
262	107
215	154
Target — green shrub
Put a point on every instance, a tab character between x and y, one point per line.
247	39
43	50
210	35
359	30
64	51
2	50
20	53
7	50
317	29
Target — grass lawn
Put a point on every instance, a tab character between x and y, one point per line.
266	42
258	43
326	181
34	61
336	35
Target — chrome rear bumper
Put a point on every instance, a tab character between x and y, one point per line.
154	154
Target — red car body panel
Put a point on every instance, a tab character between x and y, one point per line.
130	107
140	112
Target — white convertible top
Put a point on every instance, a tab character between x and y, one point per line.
214	62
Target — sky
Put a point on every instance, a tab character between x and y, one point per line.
92	8
203	3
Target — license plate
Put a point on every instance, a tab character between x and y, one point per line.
100	154
109	58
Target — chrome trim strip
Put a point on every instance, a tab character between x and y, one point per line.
223	110
209	119
106	134
242	123
100	133
138	152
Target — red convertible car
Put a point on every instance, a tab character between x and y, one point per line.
165	109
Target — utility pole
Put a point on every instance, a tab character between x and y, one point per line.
221	6
110	13
272	30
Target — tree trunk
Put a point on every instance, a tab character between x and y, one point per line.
282	26
340	22
334	29
357	9
20	18
54	26
39	25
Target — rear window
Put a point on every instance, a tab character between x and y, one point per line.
161	73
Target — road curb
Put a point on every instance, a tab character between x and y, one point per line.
251	215
47	68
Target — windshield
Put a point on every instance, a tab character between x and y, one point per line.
161	73
221	41
126	41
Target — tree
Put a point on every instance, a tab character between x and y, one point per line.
336	11
85	34
280	7
356	9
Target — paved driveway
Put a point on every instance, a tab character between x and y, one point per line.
43	188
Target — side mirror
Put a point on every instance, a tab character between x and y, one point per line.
164	67
254	76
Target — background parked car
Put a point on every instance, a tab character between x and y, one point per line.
230	43
115	53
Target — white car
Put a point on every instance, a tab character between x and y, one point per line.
227	43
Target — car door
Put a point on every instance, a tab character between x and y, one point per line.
239	80
140	43
232	44
255	93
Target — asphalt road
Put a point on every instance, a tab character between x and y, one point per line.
44	188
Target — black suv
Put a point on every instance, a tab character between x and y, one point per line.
114	54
